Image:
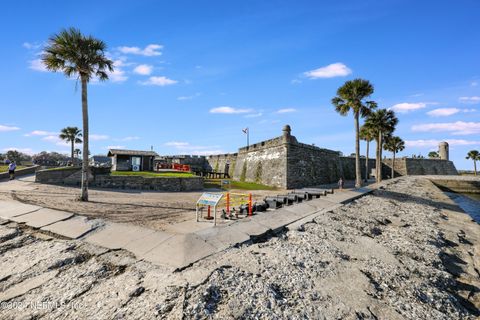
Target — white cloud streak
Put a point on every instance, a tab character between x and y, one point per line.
159	81
443	112
331	71
456	128
149	51
8	128
230	110
434	143
287	110
143	69
407	107
469	100
37	65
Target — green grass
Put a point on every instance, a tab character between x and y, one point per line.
4	168
148	174
239	185
63	168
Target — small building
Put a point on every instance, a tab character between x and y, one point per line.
132	160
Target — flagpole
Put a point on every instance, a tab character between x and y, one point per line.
248	138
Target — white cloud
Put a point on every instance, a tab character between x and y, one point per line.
229	110
118	74
470	100
23	150
56	140
296	81
130	138
287	110
182	98
456	128
159	81
98	137
406	107
332	70
40	133
474	83
434	143
186	148
37	65
443	112
8	128
176	144
31	46
115	147
143	69
148	51
254	115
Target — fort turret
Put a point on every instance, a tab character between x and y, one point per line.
443	150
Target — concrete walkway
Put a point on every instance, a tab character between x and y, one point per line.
184	243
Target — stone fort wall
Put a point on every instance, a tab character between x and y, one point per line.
286	163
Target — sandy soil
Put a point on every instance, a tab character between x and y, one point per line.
404	252
148	209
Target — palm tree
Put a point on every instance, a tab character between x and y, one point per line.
382	122
352	96
367	135
433	155
474	155
394	144
83	57
72	135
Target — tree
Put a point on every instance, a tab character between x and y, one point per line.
17	156
394	144
72	135
83	57
77	152
351	96
382	123
367	135
433	155
474	155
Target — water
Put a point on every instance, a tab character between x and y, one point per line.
469	202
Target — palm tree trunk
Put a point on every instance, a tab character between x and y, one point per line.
393	165
475	166
358	172
379	157
73	142
366	162
84	196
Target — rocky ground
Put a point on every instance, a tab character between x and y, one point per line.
404	252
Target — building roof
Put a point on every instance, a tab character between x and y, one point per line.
113	152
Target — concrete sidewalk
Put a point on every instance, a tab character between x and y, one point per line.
184	243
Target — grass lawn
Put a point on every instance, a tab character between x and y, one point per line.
217	183
149	174
4	168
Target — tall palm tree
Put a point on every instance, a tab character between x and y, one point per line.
394	144
83	57
382	122
367	135
474	155
351	96
72	135
77	152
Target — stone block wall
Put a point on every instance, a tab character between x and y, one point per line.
309	166
55	176
19	172
411	166
222	163
348	167
265	164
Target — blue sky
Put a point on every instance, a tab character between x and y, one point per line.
191	74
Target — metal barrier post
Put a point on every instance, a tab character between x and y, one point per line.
250	204
228	203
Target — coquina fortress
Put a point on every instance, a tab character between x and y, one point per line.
286	163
